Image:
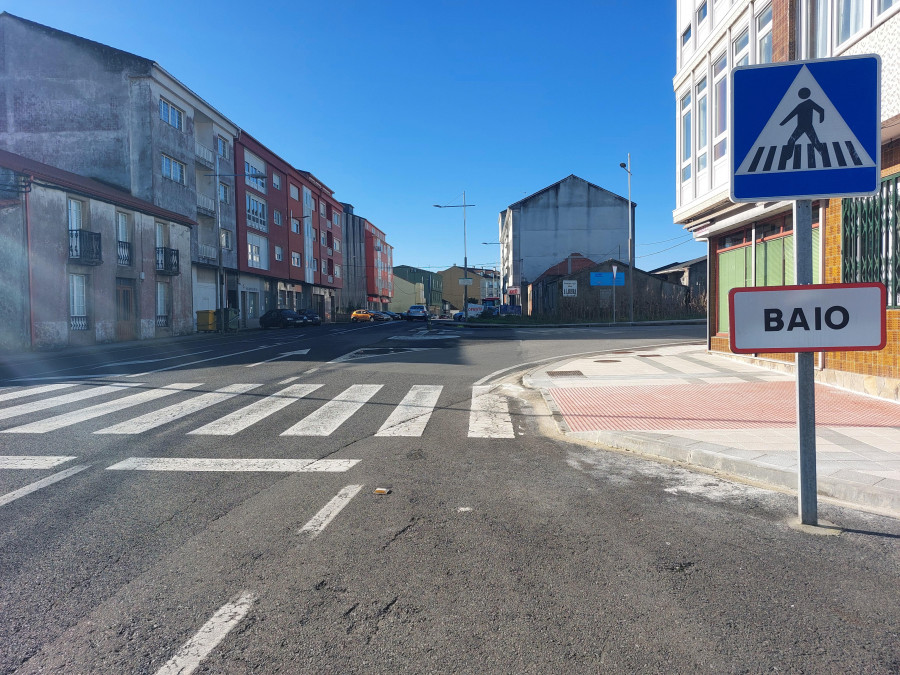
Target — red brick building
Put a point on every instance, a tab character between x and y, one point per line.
379	268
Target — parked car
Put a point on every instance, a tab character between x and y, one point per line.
282	318
362	315
311	316
458	316
416	313
380	316
394	316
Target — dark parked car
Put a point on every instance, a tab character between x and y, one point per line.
311	316
282	318
380	316
394	316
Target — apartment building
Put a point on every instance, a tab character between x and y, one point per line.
122	119
379	268
432	285
82	263
752	244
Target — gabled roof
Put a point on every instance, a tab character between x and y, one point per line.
561	269
86	186
569	177
675	267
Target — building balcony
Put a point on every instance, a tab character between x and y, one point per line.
85	247
206	204
207	252
204	155
167	261
124	254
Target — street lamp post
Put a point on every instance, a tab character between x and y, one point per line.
627	168
465	252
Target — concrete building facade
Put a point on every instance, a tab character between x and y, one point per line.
432	286
569	216
752	244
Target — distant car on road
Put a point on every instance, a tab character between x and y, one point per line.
458	316
417	313
394	316
282	318
380	316
361	315
311	316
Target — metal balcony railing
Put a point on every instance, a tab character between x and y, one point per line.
204	154
124	255
85	247
162	320
206	204
206	251
78	323
167	260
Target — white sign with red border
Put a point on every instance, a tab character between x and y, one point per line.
812	318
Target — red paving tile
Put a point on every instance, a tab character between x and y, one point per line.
751	405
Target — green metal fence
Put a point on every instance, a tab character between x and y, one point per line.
870	239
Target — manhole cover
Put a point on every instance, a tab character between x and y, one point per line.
565	373
607	361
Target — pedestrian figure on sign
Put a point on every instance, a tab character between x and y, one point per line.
804	114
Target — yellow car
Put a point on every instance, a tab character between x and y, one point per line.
361	315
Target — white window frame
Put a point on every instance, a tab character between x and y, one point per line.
224	193
123	230
296	259
764	34
741	54
75	211
279	254
686	149
257	251
78	295
276	181
276	216
171	114
861	8
701	120
323	209
704	8
295	226
337	271
254	165
257	217
323	238
295	192
172	169
226	240
222	146
337	245
163	293
720	85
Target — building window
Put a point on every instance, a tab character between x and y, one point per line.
337	245
322	208
701	125
170	114
720	107
123	240
76	209
701	13
78	319
172	169
256	213
323	240
296	260
337	270
764	36
224	193
295	192
685	36
335	218
276	181
226	240
222	147
279	254
884	5
276	216
849	19
162	304
314	266
255	170
257	251
295	226
742	48
686	137
817	30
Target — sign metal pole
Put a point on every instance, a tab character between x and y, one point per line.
614	268
806	392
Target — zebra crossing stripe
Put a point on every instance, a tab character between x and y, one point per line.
26	408
239	465
33	461
42	483
255	412
22	393
489	416
412	415
174	412
794	155
328	512
68	419
325	420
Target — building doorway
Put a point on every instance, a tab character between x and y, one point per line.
125	310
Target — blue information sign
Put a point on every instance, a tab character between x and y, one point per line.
606	279
806	129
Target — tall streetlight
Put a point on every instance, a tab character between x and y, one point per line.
627	168
465	252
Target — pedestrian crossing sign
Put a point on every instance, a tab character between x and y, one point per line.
806	129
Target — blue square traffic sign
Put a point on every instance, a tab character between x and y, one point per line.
806	129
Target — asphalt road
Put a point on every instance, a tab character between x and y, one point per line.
500	546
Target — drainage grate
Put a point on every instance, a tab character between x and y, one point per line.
565	373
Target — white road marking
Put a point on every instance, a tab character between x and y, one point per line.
280	356
328	512
192	652
412	415
174	412
364	353
26	408
33	461
234	465
489	417
253	413
164	358
44	482
76	416
212	358
22	393
330	416
289	379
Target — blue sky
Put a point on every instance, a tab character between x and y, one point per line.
401	105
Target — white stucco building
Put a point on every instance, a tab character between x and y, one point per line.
570	216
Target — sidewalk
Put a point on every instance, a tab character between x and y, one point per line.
685	404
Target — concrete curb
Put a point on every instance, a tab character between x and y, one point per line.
721	458
618	324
